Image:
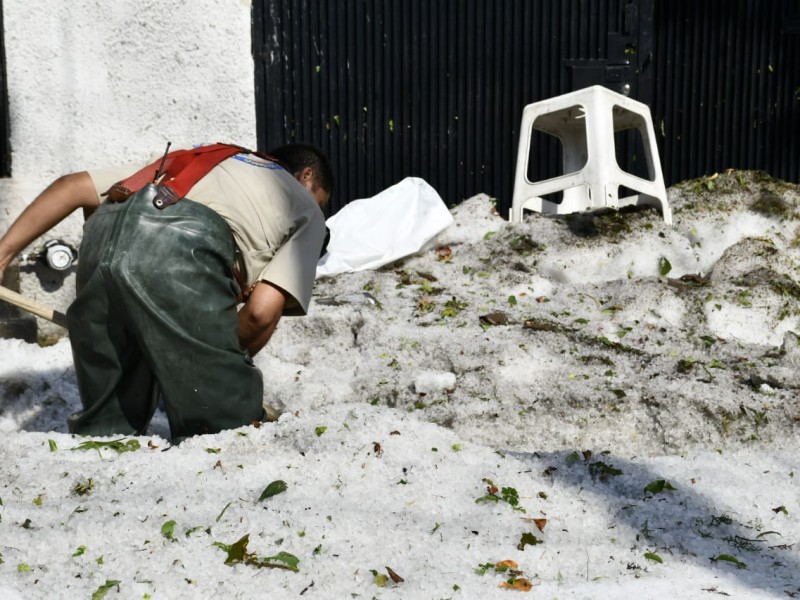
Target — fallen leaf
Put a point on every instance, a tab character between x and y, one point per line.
653	556
527	539
395	577
236	551
540	523
168	530
731	559
506	563
443	252
119	445
521	585
100	592
495	318
377	449
380	579
664	266
658	486
394	433
282	560
688	281
273	489
541	325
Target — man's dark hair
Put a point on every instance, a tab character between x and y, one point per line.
297	157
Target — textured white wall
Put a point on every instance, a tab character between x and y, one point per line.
97	82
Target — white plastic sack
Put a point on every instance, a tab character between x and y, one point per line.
372	232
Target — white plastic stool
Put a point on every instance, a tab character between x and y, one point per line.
585	122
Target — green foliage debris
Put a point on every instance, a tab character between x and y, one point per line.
653	556
168	530
731	559
273	489
119	445
602	471
528	539
222	512
664	266
379	578
100	592
83	488
237	553
453	307
507	494
658	486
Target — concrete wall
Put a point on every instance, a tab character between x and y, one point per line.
93	82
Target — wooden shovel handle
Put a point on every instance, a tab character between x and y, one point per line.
32	307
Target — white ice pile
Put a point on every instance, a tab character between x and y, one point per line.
631	387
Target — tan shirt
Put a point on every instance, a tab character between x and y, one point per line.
278	227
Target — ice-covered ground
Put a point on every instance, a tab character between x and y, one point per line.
608	402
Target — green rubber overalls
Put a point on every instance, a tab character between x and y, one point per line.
156	303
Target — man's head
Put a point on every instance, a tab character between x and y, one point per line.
310	167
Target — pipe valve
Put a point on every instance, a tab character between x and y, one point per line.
58	255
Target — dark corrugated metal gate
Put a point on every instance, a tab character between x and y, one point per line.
727	86
392	88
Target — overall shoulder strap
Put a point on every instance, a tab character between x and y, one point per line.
181	169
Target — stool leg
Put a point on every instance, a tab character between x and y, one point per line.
523	159
575	159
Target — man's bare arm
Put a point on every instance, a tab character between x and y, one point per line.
53	205
260	315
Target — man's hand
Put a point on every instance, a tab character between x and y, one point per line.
260	315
